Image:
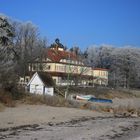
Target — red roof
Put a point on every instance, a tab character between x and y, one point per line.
56	55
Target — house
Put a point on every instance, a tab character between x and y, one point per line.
23	80
41	83
67	68
100	76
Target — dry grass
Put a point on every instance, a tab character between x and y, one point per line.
126	111
61	102
6	99
101	92
1	107
33	99
97	107
47	100
123	111
100	107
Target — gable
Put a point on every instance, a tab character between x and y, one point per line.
35	80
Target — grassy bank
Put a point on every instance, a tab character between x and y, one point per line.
103	92
11	100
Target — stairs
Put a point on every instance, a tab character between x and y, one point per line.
59	92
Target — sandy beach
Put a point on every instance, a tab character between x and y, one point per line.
38	114
80	129
39	122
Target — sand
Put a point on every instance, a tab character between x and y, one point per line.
38	114
39	122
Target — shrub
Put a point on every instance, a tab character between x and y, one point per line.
6	98
1	107
55	101
47	100
33	99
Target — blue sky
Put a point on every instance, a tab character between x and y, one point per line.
80	22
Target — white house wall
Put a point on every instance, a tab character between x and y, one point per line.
49	91
36	86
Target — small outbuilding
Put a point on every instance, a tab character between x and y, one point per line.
41	83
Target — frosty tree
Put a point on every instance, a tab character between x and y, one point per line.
6	53
122	62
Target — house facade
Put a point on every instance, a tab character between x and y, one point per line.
100	76
66	68
40	84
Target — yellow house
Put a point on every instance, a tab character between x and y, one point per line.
100	76
66	67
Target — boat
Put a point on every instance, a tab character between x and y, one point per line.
92	98
101	100
83	97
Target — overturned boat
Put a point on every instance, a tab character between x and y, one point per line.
92	98
101	100
83	97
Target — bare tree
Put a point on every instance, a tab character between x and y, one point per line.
7	61
28	45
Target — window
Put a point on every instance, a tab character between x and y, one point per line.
54	80
40	67
34	67
26	80
48	67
